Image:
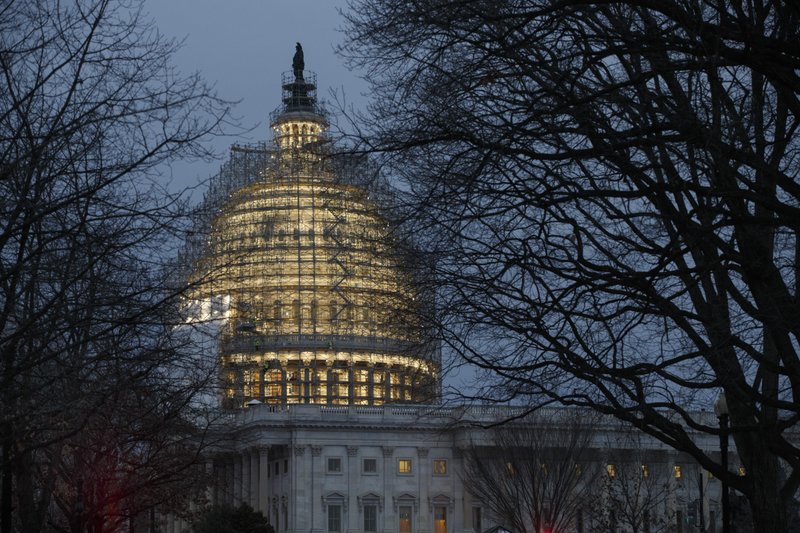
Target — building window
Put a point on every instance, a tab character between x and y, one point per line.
275	468
286	466
296	311
334	518
404	519
404	466
611	470
477	525
370	518
440	467
645	471
676	471
440	519
369	466
334	465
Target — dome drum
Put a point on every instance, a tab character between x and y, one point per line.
336	382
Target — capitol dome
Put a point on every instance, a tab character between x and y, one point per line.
316	299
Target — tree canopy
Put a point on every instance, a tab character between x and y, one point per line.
609	193
98	413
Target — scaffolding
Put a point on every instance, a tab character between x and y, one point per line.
320	305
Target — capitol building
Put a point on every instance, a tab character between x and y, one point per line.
329	376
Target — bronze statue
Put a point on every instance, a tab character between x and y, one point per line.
298	64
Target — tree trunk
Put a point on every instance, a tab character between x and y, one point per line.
763	482
7	481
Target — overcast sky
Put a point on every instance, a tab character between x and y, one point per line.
243	46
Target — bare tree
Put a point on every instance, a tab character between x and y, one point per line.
610	193
535	474
633	495
93	374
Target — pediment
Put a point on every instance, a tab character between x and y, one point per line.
405	499
334	498
441	500
370	498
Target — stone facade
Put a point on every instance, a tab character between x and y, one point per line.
323	469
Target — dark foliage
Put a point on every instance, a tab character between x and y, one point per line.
227	519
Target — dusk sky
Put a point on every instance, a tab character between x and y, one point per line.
243	46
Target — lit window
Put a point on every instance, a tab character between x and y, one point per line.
334	465
334	518
676	471
440	519
645	471
742	471
404	519
370	519
440	467
369	466
404	466
510	469
611	469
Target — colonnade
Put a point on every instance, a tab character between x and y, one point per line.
241	477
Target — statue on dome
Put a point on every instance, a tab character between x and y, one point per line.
298	63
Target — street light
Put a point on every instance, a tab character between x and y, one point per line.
721	409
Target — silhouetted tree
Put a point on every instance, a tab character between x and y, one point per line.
226	519
535	474
98	388
609	191
633	493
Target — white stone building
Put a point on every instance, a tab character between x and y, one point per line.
332	386
398	469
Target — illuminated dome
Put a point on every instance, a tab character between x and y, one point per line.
315	300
